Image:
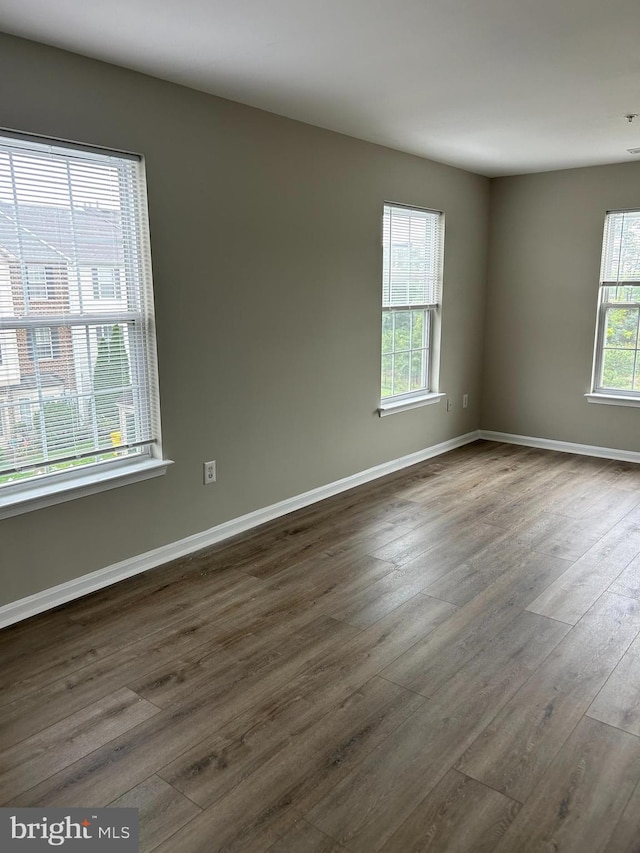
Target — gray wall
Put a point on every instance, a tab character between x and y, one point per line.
545	245
267	263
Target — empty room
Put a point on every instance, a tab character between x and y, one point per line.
319	450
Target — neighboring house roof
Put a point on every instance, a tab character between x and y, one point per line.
86	236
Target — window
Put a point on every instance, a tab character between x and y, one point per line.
616	371
86	370
40	282
103	332
412	242
106	282
25	410
43	344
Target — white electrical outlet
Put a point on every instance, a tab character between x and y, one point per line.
209	472
465	401
449	405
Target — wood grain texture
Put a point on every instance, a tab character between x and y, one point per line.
459	814
305	838
431	662
293	778
366	808
57	700
88	641
515	750
626	835
29	762
334	679
577	804
292	731
252	672
618	703
161	811
287	727
628	581
504	554
569	597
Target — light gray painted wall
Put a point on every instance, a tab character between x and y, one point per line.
266	249
545	245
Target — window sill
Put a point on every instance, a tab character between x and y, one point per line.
392	408
612	399
40	494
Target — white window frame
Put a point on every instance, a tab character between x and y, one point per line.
107	282
42	343
59	486
40	290
428	392
103	332
601	393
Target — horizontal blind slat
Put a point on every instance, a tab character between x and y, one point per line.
621	248
412	256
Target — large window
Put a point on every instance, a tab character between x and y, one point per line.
617	353
412	244
78	379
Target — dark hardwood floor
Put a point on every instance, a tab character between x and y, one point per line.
444	660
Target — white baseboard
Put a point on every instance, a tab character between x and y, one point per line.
16	611
562	446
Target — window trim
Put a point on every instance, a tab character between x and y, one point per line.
430	392
612	399
391	407
52	488
428	310
39	493
603	306
600	393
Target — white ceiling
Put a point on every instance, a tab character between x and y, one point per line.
495	86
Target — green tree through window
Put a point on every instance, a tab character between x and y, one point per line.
617	364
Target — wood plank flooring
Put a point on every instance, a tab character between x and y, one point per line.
443	660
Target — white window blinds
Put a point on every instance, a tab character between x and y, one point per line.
412	257
621	248
78	378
